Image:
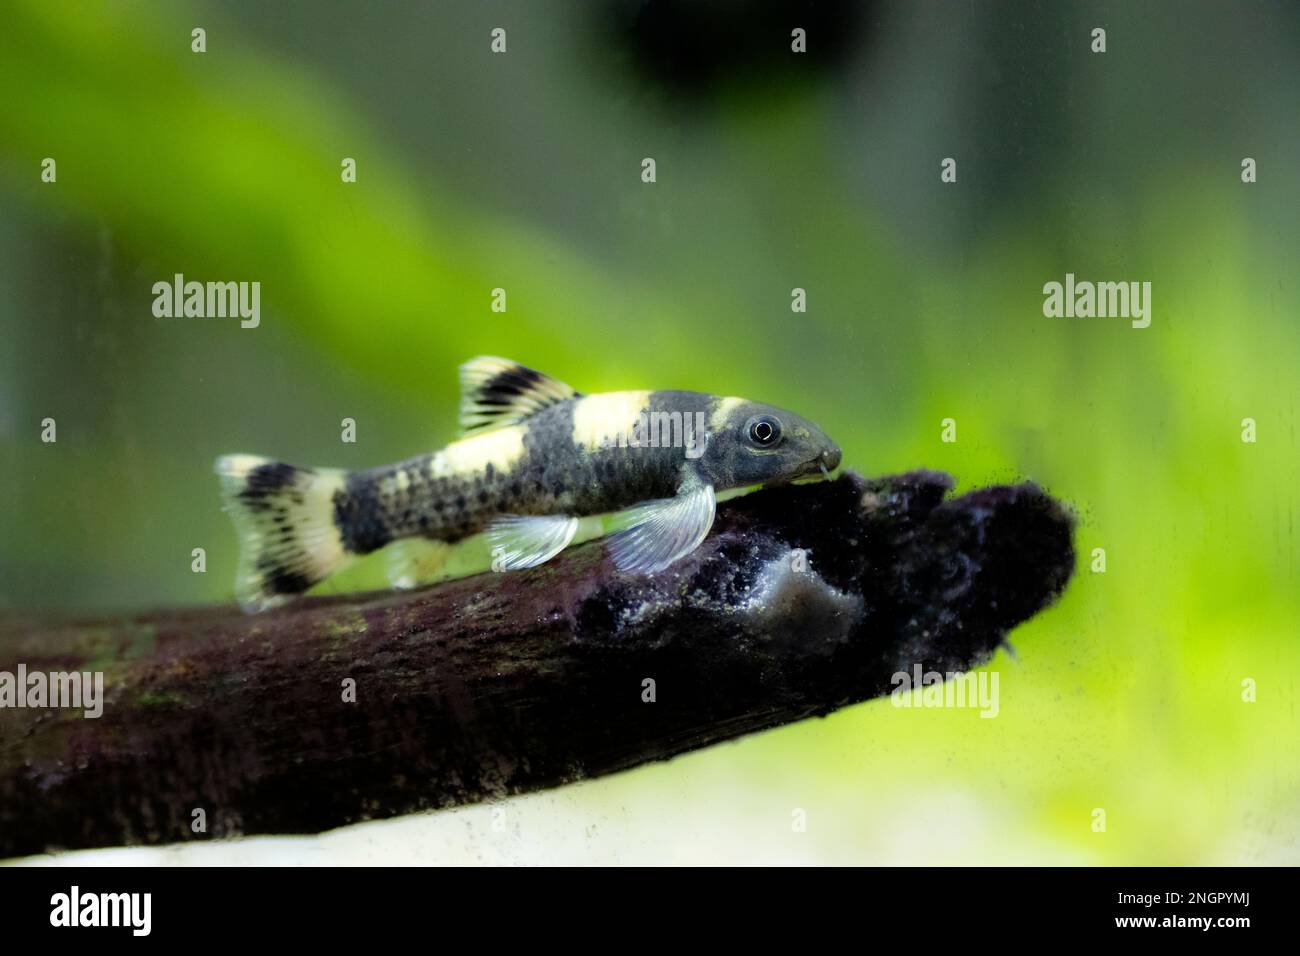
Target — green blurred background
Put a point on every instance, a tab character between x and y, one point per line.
522	170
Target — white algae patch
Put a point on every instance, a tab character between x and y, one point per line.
800	607
782	603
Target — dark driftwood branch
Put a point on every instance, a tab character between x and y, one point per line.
500	684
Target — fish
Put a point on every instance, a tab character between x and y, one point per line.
535	456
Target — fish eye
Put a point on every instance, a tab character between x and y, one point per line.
764	431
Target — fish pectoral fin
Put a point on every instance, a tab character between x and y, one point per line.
415	561
495	392
519	541
661	531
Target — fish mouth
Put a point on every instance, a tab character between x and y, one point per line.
820	468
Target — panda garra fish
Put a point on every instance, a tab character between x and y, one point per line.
535	457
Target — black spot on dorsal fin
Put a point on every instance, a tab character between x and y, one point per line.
497	392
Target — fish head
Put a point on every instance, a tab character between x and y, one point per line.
750	443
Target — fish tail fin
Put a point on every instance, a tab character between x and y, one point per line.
284	516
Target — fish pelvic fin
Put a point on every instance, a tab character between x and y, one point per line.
525	542
495	392
284	516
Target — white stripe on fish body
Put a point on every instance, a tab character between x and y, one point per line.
502	448
395	484
606	420
722	412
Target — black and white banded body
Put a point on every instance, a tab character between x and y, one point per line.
536	456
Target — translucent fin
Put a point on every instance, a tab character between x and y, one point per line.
525	542
496	392
663	530
415	561
285	520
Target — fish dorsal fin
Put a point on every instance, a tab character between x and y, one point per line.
495	392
